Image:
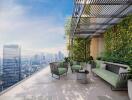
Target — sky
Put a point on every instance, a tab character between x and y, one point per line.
36	25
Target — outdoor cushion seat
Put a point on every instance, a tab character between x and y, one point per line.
61	65
105	74
111	73
59	68
62	71
76	67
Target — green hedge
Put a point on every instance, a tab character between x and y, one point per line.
118	42
81	49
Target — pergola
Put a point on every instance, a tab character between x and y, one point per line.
94	17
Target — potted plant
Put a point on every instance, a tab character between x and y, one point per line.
66	59
90	59
130	83
92	62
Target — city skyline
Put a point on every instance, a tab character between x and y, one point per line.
31	52
11	65
14	67
27	23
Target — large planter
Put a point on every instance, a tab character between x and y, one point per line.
82	76
130	89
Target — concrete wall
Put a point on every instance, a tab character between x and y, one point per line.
97	46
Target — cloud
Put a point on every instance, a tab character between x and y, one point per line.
42	33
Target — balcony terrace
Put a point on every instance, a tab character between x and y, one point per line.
90	20
41	86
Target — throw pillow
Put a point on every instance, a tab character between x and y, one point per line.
103	66
122	70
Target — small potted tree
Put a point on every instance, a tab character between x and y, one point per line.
67	60
130	83
92	62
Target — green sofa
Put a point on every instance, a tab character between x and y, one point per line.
58	68
110	74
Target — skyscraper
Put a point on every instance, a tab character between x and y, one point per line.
0	67
60	55
11	65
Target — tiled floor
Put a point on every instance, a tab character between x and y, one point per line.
42	86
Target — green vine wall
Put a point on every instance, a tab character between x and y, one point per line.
81	49
118	42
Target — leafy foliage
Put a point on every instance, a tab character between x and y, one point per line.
81	49
118	42
66	59
68	25
67	33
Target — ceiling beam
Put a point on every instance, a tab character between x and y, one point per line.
102	16
87	32
98	24
78	20
119	12
99	2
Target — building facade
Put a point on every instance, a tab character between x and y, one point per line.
11	65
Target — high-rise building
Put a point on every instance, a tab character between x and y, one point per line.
11	65
0	67
36	60
60	55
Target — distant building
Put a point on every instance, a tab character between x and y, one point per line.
49	58
56	58
11	65
0	67
25	67
36	60
1	82
60	56
42	59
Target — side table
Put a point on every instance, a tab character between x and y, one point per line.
82	76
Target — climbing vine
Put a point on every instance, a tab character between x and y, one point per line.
81	49
118	42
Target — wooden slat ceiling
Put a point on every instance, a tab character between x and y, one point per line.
93	17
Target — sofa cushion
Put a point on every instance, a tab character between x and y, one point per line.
97	64
103	66
62	70
76	67
61	64
108	76
74	62
123	70
83	64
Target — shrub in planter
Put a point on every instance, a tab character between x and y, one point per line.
90	59
98	58
66	59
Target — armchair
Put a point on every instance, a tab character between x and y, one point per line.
75	66
58	68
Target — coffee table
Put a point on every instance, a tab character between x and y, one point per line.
82	76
